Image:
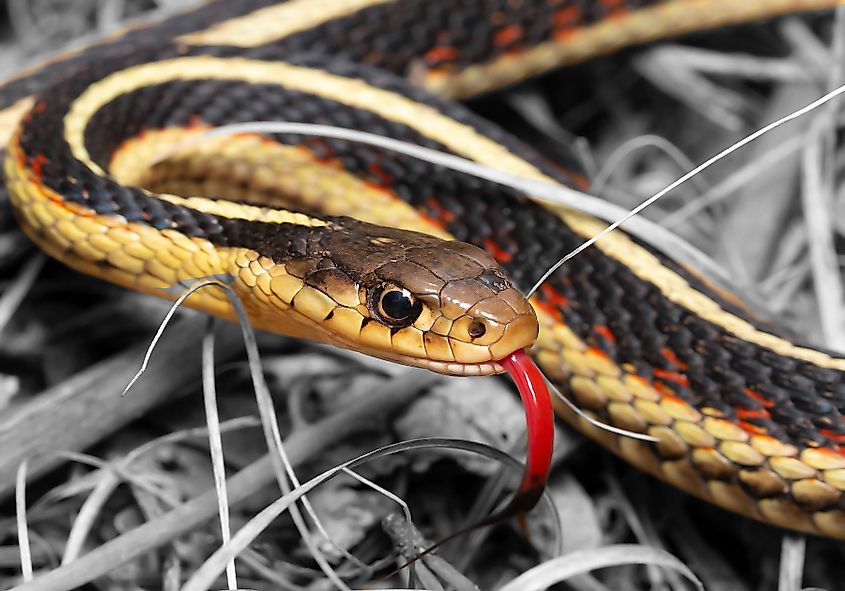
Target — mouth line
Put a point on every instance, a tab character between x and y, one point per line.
451	368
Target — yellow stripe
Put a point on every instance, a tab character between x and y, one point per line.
10	117
664	20
331	191
277	22
456	136
239	211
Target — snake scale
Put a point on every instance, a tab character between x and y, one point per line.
315	231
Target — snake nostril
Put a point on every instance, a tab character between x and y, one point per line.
476	329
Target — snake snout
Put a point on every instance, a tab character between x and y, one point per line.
503	323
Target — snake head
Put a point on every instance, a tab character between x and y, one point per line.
411	298
447	306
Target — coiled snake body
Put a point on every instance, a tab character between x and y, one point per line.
746	419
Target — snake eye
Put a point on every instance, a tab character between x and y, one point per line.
396	306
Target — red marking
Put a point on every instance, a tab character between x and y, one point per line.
752	428
605	332
552	301
554	297
441	53
540	427
670	356
566	17
758	398
496	252
508	35
385	179
565	22
441	212
40	107
553	311
665	390
837	437
432	221
597	353
320	150
194	121
671	376
36	163
748	413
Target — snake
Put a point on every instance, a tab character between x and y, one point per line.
362	247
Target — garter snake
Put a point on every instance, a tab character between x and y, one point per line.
745	418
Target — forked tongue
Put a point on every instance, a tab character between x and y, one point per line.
540	431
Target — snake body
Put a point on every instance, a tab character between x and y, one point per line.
745	418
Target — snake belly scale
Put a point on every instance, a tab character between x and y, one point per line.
746	419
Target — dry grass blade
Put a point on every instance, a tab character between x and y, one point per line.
120	471
553	194
215	443
559	569
23	530
406	510
205	576
629	148
692	173
91	402
817	194
791	572
537	111
302	446
14	295
283	468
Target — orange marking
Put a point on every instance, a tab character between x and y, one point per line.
665	390
442	212
671	376
566	17
36	163
748	413
554	297
670	356
195	122
384	178
441	53
317	146
78	209
508	35
496	252
752	428
758	398
597	353
838	437
605	332
550	309
838	440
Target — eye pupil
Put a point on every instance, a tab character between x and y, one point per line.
398	306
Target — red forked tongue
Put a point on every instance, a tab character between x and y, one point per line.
540	430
